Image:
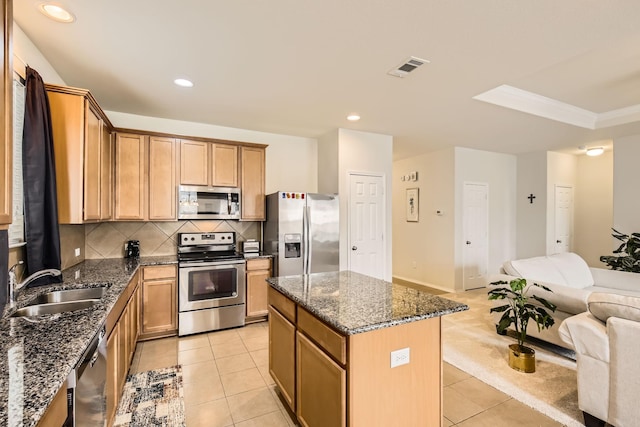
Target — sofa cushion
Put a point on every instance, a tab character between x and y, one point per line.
537	269
573	268
605	305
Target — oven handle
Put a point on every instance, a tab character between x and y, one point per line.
210	264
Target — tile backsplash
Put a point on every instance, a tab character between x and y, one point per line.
107	239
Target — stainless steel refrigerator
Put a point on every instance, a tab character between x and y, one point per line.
302	232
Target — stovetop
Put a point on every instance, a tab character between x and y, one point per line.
207	247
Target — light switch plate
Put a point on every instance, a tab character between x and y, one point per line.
77	251
400	357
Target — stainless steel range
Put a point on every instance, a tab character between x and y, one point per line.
211	282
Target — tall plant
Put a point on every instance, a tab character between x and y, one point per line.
519	310
629	250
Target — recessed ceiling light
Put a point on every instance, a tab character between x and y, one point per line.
183	82
353	117
56	12
595	151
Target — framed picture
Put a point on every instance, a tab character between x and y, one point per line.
412	204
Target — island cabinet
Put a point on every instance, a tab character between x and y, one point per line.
208	163
122	333
83	153
258	270
252	187
329	378
159	302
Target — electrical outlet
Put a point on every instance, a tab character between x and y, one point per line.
400	357
77	251
77	274
414	264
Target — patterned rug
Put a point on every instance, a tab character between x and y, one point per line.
152	398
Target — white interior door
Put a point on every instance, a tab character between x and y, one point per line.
476	235
563	219
366	225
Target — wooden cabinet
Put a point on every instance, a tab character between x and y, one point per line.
122	334
6	117
56	413
130	171
207	163
163	162
159	302
345	379
252	171
321	386
82	141
282	345
258	271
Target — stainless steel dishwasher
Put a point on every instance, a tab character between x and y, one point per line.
86	396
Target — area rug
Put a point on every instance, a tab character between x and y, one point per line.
152	398
471	344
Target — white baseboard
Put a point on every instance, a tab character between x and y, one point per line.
418	282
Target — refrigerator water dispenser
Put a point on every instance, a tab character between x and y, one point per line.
292	245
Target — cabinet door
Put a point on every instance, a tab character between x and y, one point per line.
159	306
318	375
92	164
257	292
130	177
6	119
106	173
194	162
252	183
112	375
224	160
162	178
282	350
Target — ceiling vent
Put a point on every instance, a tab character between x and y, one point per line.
410	64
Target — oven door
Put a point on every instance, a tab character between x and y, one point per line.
209	285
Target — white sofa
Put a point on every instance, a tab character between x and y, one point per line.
571	280
606	342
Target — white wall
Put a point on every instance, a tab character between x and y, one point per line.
499	172
626	203
328	175
531	217
429	243
562	171
26	51
594	208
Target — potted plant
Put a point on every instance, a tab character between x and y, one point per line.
629	250
519	311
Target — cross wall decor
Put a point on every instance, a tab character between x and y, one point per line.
531	197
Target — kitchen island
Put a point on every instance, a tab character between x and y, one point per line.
350	350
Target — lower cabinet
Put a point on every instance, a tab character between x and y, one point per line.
56	413
159	302
258	271
282	350
123	330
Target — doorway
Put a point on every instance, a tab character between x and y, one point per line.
563	234
475	232
366	225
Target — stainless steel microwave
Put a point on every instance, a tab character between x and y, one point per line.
201	202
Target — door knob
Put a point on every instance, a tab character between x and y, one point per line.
354	248
558	241
468	242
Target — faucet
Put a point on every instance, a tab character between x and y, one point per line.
14	286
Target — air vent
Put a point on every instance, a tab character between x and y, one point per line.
407	66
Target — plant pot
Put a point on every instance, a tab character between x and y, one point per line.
522	358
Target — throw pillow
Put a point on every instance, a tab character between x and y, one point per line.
603	305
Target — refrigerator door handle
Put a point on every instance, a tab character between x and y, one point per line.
309	246
305	241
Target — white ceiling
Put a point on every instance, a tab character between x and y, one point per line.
298	67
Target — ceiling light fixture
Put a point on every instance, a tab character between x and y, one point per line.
56	12
353	117
183	82
595	151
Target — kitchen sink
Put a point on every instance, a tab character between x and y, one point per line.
54	308
69	295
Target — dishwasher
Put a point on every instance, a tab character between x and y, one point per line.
86	385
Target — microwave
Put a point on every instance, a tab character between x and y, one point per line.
201	202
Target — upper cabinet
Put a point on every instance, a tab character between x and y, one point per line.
130	170
252	172
208	163
82	148
163	162
6	119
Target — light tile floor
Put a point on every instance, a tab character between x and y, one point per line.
227	383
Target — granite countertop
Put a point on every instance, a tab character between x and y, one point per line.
354	303
37	354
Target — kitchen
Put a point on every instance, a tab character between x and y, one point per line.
95	225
